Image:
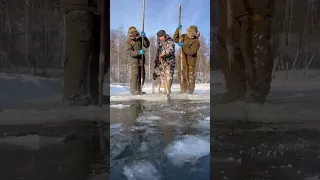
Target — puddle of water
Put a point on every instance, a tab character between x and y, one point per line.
69	150
160	141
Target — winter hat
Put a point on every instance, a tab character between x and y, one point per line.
195	28
161	33
193	31
132	31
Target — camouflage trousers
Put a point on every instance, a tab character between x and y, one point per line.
252	67
167	69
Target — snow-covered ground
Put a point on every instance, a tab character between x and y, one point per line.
203	89
290	99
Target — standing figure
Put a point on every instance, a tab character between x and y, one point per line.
248	75
190	46
81	63
165	59
136	57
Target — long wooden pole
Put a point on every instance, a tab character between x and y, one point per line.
142	76
102	55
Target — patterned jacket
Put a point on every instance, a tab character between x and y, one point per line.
166	47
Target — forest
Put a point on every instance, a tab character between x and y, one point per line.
32	40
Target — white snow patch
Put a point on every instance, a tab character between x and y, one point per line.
119	106
207	119
32	142
115	89
189	149
141	170
116	126
6	76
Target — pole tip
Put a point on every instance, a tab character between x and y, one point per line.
179	4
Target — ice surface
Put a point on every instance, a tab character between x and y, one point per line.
141	170
188	149
162	97
148	119
121	93
32	142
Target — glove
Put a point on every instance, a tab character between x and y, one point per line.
180	44
143	34
141	52
179	26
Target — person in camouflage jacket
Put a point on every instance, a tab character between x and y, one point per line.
166	54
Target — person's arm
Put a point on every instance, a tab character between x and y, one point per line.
192	49
130	51
176	37
146	42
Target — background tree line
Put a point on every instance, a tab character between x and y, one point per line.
119	64
32	34
295	35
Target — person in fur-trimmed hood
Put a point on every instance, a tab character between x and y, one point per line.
190	46
135	54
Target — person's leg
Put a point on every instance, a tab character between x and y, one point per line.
191	75
235	77
134	75
79	49
255	33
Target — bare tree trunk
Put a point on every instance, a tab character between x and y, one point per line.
295	60
150	64
27	20
45	53
274	67
118	73
311	59
64	42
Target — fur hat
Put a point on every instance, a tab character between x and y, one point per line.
132	31
193	31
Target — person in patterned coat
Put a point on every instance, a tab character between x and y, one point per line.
165	58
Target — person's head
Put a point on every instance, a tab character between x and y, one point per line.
162	35
193	32
132	32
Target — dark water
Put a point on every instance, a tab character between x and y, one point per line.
142	133
255	150
69	150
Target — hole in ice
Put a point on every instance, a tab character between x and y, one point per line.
141	170
119	106
189	149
